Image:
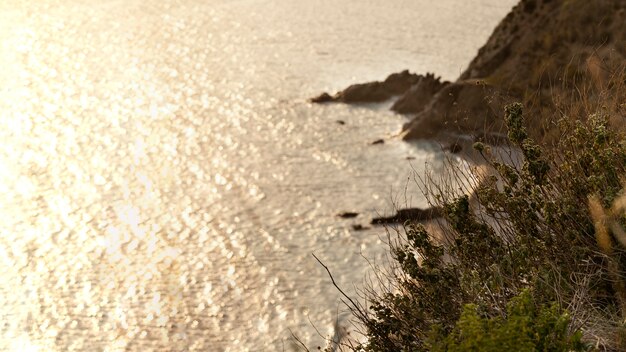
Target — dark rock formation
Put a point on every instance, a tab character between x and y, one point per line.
459	107
542	49
322	98
419	95
359	227
413	214
373	92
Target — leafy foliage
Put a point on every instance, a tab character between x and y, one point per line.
526	327
522	255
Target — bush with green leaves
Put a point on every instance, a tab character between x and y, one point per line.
523	267
525	327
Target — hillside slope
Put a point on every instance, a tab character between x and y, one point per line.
544	53
551	55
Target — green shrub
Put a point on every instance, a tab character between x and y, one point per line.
531	233
526	327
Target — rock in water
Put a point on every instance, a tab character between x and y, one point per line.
413	214
373	92
359	227
323	98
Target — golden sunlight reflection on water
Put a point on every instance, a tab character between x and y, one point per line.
163	180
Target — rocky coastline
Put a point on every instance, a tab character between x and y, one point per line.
544	54
531	220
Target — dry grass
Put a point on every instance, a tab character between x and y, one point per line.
511	224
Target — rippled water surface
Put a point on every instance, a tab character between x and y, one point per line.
163	180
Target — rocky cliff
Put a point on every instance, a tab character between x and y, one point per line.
545	53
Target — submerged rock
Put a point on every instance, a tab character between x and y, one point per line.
348	215
413	214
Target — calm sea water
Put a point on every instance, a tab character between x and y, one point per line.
164	181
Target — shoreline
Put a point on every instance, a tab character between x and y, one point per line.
540	55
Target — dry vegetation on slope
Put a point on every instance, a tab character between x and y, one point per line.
548	54
536	259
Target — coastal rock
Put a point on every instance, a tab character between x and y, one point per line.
323	98
542	49
460	107
419	95
373	92
413	214
359	227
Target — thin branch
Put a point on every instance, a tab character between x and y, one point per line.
354	304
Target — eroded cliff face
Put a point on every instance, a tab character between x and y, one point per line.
543	38
547	54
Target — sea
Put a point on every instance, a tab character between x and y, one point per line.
165	181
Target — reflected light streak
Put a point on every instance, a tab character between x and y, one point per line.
24	344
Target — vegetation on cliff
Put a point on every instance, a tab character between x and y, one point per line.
547	54
532	257
536	262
